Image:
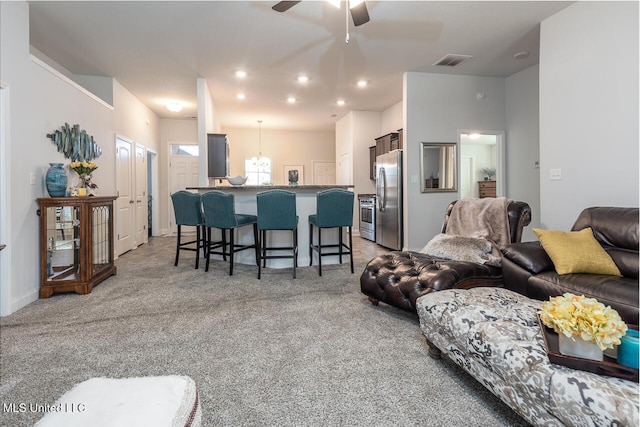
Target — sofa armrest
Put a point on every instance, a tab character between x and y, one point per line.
529	255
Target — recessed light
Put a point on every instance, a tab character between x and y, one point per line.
291	100
175	107
241	74
521	55
340	102
302	78
241	96
474	136
362	83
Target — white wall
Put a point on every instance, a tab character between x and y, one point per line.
392	119
588	109
435	107
207	122
39	103
523	143
282	147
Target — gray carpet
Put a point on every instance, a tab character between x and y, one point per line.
279	352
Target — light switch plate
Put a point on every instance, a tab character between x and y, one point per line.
32	178
555	174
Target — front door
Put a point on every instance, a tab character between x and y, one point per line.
183	173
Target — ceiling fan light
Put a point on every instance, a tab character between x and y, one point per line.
174	107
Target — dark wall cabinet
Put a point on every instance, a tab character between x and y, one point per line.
217	155
384	144
76	243
372	162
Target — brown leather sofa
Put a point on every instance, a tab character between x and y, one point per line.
528	270
400	278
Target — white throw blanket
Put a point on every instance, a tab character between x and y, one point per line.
480	220
170	401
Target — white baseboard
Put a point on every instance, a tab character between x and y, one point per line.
24	300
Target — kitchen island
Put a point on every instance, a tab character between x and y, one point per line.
245	197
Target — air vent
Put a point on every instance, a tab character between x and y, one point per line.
452	60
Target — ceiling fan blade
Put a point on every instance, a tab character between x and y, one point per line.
360	14
283	6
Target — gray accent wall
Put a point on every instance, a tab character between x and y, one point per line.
435	107
588	109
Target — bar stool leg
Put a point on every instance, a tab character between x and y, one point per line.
178	246
351	249
197	246
340	244
256	244
310	244
208	251
295	251
264	248
320	251
231	248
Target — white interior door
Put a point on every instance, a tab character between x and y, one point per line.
125	212
467	187
141	195
183	173
324	173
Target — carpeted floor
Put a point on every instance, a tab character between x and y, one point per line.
278	352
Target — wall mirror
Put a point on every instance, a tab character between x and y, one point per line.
438	167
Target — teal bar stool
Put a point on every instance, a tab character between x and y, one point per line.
187	210
219	212
334	209
277	211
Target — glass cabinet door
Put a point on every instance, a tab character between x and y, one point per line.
101	237
63	243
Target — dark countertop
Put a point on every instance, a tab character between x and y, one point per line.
271	187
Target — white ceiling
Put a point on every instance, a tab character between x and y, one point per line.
157	49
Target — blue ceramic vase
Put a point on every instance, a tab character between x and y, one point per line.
56	180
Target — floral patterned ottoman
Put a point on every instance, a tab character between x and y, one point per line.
493	333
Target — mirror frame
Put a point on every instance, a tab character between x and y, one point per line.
423	175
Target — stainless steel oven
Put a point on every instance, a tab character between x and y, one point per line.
368	217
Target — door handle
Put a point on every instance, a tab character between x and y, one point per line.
139	201
131	201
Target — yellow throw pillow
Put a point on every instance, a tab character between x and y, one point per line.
576	252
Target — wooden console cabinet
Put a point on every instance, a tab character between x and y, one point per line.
76	243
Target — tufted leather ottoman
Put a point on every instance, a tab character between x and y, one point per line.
494	335
400	278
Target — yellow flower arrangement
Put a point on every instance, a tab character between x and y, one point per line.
83	168
585	318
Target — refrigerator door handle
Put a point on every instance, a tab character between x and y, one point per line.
382	190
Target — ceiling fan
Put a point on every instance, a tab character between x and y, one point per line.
359	12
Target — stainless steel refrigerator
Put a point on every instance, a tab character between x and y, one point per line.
389	200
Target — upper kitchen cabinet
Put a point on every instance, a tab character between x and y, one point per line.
384	143
372	162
